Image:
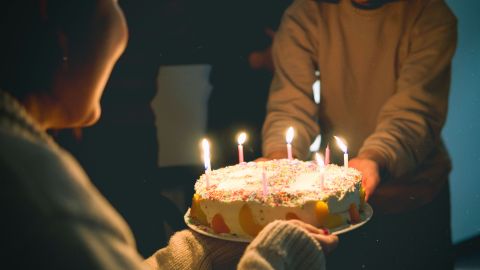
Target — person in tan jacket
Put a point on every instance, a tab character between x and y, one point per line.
384	69
56	57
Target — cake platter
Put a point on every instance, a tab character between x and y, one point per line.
365	216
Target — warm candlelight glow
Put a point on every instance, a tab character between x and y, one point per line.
316	88
341	144
206	154
242	137
315	146
290	134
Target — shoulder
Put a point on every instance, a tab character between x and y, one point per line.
42	184
303	9
50	181
34	170
301	17
432	12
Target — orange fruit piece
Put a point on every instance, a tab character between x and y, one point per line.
247	221
322	212
362	197
333	221
196	211
218	224
354	214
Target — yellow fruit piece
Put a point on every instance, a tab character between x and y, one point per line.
218	224
333	221
196	211
247	221
321	210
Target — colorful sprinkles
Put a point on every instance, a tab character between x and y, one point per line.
290	182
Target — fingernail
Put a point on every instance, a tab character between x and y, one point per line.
325	231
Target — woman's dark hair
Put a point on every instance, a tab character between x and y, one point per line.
29	47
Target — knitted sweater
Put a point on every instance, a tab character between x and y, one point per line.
385	79
54	218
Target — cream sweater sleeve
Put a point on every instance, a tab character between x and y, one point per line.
279	245
410	123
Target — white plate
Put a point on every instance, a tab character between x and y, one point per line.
365	216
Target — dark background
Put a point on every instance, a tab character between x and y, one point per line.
119	153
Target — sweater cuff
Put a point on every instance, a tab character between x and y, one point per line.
283	241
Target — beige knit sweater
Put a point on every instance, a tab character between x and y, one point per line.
53	217
385	77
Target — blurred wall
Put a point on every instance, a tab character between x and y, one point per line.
462	131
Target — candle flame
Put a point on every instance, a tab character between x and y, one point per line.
316	91
319	159
206	153
242	137
341	144
290	134
315	146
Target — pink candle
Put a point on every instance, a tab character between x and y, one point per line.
241	140
240	153
327	155
289	151
264	181
321	168
289	139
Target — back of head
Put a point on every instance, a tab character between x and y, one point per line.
57	55
30	51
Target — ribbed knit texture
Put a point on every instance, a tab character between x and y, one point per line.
279	245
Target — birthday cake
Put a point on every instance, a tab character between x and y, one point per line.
242	199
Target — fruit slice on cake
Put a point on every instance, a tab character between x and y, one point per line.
247	221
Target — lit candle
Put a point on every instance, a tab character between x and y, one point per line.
327	155
206	160
343	146
241	140
264	181
289	139
320	161
321	167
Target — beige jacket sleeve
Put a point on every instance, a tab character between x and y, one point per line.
410	122
279	245
290	101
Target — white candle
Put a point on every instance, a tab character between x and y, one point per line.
343	146
320	162
206	160
264	181
241	140
289	139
